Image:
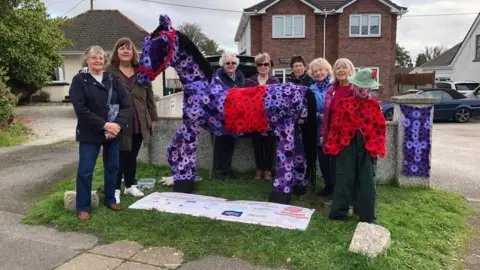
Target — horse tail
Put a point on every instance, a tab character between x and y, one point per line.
309	137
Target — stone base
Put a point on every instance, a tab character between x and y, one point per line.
370	240
70	197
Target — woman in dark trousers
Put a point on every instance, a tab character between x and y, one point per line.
224	146
263	146
123	65
89	93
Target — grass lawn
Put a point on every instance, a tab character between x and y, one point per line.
428	227
16	134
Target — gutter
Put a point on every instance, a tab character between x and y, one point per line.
325	13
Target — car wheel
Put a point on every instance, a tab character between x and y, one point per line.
462	115
388	115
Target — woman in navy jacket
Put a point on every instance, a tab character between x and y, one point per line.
89	94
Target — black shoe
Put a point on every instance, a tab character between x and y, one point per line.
231	175
325	192
280	197
184	186
299	191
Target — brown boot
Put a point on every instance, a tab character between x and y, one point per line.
258	175
114	207
268	175
83	215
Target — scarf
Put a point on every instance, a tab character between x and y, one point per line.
322	85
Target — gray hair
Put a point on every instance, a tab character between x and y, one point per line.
343	62
261	58
94	48
221	62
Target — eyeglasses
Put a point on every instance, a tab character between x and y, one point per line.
97	58
230	63
263	64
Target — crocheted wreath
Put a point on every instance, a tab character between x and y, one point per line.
352	114
244	110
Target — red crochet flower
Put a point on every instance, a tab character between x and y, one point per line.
244	111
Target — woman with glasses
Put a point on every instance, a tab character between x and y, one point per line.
225	145
263	146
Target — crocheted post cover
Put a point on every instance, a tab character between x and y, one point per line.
352	114
244	110
417	142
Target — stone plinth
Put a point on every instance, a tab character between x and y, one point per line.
70	197
414	124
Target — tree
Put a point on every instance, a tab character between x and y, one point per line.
432	52
421	59
205	45
30	41
403	58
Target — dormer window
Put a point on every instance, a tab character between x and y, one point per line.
365	25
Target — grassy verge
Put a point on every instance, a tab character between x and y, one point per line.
15	134
428	227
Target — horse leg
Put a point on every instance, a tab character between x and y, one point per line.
284	181
181	155
299	165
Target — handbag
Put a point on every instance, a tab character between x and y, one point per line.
112	108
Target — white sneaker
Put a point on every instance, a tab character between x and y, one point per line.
134	191
117	195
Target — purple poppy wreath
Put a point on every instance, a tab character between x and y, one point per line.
417	140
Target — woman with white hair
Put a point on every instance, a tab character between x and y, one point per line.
321	72
103	112
224	146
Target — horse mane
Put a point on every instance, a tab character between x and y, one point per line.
309	137
188	46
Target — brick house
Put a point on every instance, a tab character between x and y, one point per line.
365	31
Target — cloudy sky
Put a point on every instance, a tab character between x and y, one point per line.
415	29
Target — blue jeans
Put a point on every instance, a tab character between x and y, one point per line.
88	154
324	164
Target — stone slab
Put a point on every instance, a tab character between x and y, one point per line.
120	249
137	266
221	263
370	240
21	254
160	256
91	262
70	199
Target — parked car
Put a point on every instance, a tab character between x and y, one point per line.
452	105
464	87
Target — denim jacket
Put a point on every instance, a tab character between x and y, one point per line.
320	92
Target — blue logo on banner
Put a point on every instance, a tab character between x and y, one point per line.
232	213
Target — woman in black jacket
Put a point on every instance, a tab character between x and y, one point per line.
103	111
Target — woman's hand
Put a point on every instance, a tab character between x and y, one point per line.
110	136
112	128
320	116
154	125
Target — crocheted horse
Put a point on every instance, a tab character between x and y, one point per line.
209	104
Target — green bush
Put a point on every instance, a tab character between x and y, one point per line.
8	101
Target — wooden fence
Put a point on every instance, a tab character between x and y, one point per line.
406	81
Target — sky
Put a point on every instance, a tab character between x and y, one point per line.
415	29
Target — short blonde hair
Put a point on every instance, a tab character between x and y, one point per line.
91	49
343	62
317	64
262	58
221	62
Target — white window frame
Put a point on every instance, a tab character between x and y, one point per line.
372	68
61	74
284	22
285	73
360	26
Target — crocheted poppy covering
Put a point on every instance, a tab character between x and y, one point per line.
244	110
352	114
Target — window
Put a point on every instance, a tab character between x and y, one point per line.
466	86
57	75
282	74
288	26
372	68
477	48
365	25
443	85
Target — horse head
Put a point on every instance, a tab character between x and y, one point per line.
165	47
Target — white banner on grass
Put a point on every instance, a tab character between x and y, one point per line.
252	212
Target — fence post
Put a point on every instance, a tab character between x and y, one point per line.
414	115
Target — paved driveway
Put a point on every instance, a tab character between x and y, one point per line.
455	158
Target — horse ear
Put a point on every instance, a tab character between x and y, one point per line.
164	23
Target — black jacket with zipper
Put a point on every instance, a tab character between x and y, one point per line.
89	100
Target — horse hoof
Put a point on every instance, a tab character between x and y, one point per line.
184	186
280	197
